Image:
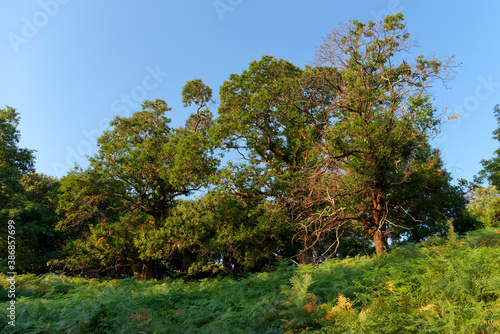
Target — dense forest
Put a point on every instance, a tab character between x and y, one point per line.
293	166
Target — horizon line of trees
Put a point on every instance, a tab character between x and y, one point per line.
337	161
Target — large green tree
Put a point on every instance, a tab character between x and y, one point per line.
27	198
142	168
273	115
14	161
382	120
343	145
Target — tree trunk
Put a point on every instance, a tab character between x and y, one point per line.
306	256
143	271
380	241
187	260
378	232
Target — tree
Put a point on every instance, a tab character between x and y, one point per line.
27	198
345	144
425	207
36	218
224	232
382	121
14	161
97	240
484	201
484	205
491	167
11	156
143	166
33	209
272	115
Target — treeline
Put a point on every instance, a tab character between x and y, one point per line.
332	160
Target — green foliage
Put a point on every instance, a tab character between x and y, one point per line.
344	144
272	114
75	305
299	303
432	287
27	198
195	91
484	205
14	162
223	232
450	287
381	123
11	156
491	167
36	239
487	237
117	207
336	159
485	201
427	205
452	235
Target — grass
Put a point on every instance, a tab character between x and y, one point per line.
440	286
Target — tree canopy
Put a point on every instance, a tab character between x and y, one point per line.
491	167
143	166
345	142
27	198
329	160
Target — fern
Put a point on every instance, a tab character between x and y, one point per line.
440	286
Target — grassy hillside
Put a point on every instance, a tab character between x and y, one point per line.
438	287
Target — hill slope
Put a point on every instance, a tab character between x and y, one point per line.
438	287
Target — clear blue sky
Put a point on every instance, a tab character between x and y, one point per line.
69	66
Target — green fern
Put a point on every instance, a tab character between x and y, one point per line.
440	286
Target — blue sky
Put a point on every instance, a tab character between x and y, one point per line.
70	66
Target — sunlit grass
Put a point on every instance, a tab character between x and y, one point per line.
437	287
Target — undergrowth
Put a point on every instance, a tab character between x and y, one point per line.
440	286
